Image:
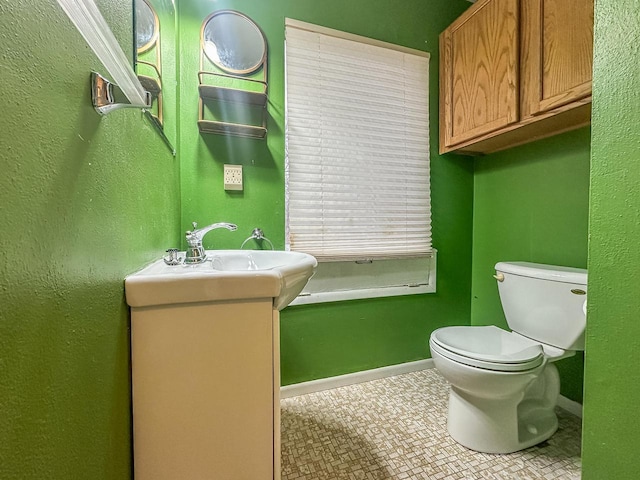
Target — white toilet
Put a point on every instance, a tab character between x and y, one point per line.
504	386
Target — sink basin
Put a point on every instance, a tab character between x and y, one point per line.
225	275
240	260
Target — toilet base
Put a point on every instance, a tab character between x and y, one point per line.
506	424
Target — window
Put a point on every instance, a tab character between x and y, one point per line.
357	161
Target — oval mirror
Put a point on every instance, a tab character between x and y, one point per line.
146	26
233	42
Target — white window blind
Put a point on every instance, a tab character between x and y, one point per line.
357	147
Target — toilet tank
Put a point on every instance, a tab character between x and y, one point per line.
544	302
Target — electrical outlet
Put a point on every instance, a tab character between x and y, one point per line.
233	177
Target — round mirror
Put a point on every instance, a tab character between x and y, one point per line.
146	26
233	42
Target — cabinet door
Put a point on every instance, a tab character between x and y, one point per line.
203	399
479	71
557	53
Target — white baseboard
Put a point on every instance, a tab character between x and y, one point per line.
367	375
570	406
353	378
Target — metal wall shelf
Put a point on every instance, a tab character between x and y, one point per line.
246	89
234	95
239	77
235	129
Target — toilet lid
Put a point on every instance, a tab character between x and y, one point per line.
488	347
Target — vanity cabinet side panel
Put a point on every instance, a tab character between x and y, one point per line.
203	391
277	443
556	52
479	65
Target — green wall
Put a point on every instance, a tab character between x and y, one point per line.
531	203
84	200
611	423
330	339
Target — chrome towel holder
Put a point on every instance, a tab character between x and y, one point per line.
257	235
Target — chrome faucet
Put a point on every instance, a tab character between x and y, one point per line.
195	251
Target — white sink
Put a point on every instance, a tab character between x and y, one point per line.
225	275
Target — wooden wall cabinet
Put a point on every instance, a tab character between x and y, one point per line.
514	71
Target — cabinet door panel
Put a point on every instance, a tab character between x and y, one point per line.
480	71
203	399
557	53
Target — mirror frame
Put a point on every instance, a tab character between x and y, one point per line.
156	29
259	64
155	42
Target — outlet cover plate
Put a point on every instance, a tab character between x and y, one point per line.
233	177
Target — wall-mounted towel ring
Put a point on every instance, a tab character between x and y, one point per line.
257	235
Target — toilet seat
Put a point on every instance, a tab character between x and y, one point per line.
489	348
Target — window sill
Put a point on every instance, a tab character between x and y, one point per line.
339	281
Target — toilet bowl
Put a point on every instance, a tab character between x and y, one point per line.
504	385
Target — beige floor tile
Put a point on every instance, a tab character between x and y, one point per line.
395	428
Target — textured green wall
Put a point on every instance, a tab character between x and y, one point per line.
612	382
330	339
84	201
531	203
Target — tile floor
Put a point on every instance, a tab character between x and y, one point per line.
395	428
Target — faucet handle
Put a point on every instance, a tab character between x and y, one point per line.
172	258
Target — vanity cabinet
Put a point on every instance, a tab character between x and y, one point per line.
206	388
205	361
513	71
